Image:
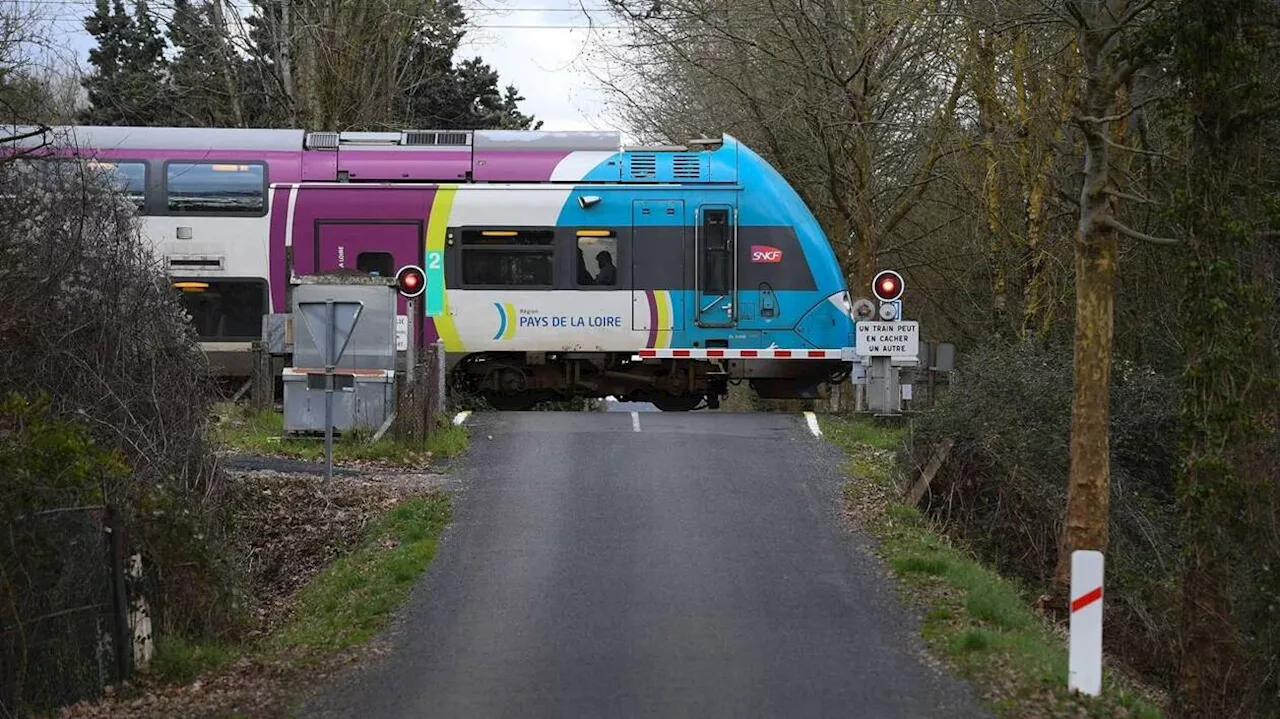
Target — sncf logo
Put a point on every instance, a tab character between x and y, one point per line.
765	253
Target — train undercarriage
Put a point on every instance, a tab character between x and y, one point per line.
519	380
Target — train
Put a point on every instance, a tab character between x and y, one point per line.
569	264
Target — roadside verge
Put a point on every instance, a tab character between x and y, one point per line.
982	624
323	567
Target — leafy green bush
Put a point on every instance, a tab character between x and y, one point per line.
52	562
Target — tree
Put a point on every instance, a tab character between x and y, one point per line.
1223	53
852	100
1103	31
468	97
129	83
205	77
387	64
1022	87
31	92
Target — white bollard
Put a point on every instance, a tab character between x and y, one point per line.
1085	657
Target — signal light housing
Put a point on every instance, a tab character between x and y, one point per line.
411	281
887	286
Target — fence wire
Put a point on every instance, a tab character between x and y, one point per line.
61	633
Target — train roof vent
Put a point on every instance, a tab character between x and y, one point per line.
321	141
687	167
642	167
707	143
370	138
436	137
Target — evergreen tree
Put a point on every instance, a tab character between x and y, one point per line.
467	96
511	116
412	81
128	85
205	74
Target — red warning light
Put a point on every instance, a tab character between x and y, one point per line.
887	286
410	281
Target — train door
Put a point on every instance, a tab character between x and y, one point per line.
371	247
716	275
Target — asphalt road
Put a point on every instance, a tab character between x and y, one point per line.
659	565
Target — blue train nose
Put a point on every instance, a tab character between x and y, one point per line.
829	324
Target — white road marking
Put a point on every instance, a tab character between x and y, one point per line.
812	419
461	417
635	421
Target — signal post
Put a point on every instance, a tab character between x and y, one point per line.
886	343
410	283
412	405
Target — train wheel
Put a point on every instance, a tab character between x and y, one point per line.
511	402
676	402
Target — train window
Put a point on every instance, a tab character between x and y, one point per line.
381	264
717	254
216	188
226	309
509	258
525	269
130	178
597	258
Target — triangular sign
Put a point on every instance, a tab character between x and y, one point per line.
331	332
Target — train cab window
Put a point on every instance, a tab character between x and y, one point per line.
212	188
381	264
508	258
225	310
597	259
717	252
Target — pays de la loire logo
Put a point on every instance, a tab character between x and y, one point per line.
765	254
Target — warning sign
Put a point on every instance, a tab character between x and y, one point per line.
888	339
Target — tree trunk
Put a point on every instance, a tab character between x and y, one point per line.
229	62
864	261
1089	478
283	46
984	86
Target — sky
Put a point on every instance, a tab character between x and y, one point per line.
543	47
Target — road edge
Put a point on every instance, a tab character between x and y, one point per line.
977	623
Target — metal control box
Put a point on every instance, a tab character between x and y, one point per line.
363	402
372	344
365	373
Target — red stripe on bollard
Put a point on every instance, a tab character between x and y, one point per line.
1085	600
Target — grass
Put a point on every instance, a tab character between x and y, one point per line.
261	433
178	661
343	606
981	622
353	598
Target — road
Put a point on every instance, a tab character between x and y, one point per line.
661	565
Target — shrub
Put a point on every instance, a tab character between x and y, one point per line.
52	475
1004	488
93	324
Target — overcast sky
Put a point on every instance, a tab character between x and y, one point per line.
544	47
